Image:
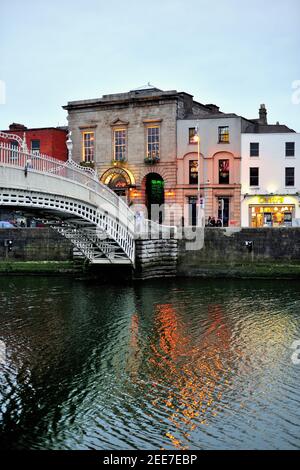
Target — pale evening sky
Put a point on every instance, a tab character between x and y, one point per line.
233	53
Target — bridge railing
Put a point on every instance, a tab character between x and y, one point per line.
15	156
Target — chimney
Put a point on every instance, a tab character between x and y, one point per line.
263	114
214	108
17	127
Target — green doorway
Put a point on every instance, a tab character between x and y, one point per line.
155	196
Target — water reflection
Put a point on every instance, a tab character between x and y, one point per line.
196	365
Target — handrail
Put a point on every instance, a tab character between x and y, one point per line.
17	157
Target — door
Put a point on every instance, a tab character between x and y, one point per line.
223	210
155	196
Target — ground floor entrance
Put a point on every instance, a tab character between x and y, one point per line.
223	210
155	196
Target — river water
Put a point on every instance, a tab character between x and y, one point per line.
179	364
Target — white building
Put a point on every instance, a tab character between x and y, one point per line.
270	178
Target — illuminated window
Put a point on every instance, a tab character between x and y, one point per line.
153	150
224	134
290	176
192	135
290	149
254	149
223	171
193	171
254	176
35	146
88	147
120	145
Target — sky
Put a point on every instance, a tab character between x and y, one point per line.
232	53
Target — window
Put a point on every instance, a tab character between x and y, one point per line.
223	171
254	176
14	149
290	149
35	146
254	149
153	143
193	171
88	148
224	134
193	135
290	176
120	145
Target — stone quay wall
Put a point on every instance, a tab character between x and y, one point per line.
34	244
272	252
224	253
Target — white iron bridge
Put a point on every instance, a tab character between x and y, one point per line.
99	224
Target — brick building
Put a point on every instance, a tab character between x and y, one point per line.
45	140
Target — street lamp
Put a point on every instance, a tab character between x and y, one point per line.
69	144
198	147
197	135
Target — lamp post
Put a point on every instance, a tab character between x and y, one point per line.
198	188
69	144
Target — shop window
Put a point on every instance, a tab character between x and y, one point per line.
224	134
274	215
290	176
290	149
193	171
254	176
254	149
223	171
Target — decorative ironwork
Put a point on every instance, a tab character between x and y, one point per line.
14	137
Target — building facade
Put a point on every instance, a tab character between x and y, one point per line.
45	140
143	145
220	161
131	140
270	177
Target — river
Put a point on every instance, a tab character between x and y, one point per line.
165	364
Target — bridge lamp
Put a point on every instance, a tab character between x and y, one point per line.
69	144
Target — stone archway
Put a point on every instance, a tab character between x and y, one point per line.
119	180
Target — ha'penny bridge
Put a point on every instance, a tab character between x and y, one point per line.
98	223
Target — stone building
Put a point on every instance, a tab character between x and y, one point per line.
143	145
131	140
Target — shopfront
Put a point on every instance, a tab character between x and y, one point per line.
273	211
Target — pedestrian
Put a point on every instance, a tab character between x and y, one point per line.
27	166
212	222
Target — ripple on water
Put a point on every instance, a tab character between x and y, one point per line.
200	365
